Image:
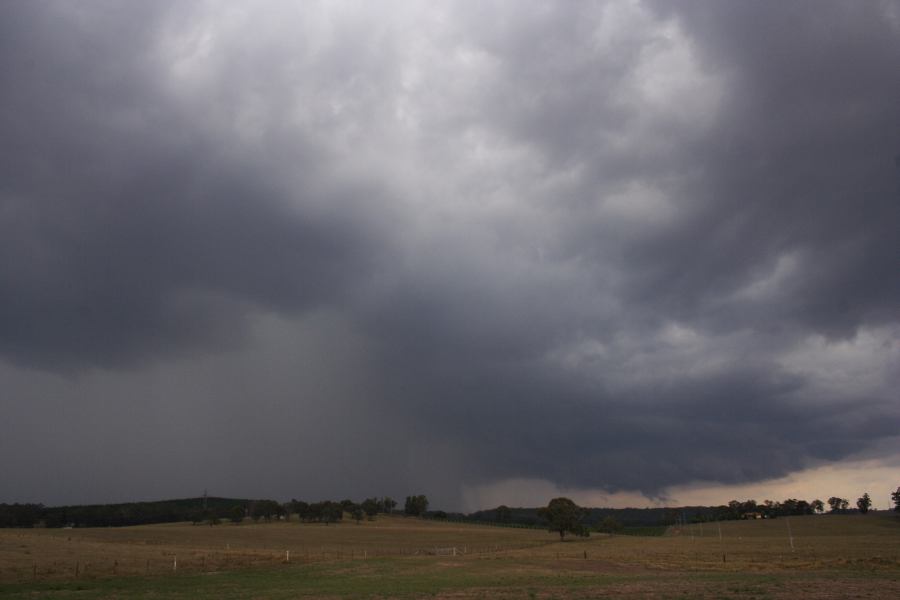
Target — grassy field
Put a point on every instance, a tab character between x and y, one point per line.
832	557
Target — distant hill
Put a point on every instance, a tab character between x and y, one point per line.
212	509
118	515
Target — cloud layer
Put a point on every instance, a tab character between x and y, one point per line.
611	245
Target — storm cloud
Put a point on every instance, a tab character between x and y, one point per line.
389	248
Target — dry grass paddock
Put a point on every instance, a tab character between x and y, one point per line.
41	554
809	542
801	557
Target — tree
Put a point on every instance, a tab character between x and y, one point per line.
325	511
357	512
332	512
895	496
863	503
237	515
818	506
609	525
314	512
563	516
370	507
301	508
503	513
416	505
264	509
770	509
388	504
793	506
838	504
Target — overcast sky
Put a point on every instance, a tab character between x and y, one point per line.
486	251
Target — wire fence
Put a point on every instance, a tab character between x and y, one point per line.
211	561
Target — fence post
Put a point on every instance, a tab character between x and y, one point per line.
790	534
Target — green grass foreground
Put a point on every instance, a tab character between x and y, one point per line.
485	578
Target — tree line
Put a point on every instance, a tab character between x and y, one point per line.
213	511
769	509
563	516
623	520
205	510
117	515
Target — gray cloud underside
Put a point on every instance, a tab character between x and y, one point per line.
596	244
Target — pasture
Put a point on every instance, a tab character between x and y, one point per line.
394	557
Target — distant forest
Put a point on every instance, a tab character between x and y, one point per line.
213	510
118	515
652	517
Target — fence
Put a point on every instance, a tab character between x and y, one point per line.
206	561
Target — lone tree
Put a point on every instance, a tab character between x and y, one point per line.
818	506
838	504
895	496
564	516
863	503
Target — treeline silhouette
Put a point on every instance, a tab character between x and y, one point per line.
213	510
594	518
207	510
119	515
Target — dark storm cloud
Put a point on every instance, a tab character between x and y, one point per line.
800	162
783	226
608	245
127	230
